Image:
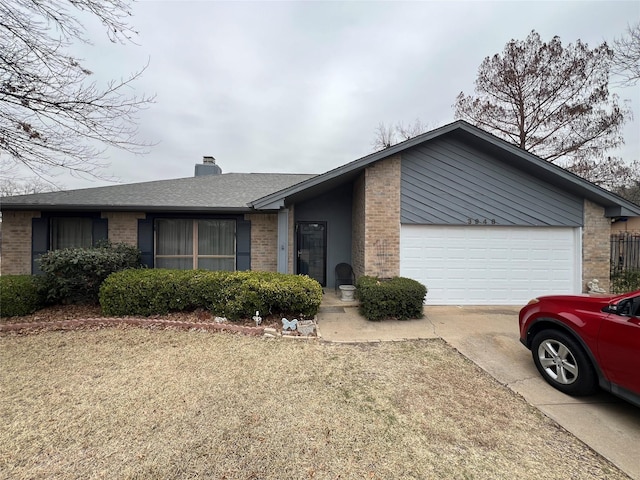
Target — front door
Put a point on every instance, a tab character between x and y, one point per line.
312	250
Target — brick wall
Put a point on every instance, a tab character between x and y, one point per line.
123	226
376	220
382	218
596	246
264	241
357	226
16	242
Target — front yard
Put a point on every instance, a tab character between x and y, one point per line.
146	403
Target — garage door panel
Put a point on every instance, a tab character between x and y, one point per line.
481	265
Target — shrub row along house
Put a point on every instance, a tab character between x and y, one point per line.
474	218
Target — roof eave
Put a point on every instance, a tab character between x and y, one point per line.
123	208
609	200
612	202
621	212
360	163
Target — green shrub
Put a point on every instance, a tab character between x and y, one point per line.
19	295
233	295
398	297
626	281
74	275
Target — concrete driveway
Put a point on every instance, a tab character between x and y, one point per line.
488	336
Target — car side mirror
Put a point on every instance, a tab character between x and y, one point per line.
623	308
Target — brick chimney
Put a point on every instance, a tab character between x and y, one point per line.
207	167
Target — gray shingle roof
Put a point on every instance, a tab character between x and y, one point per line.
614	204
226	192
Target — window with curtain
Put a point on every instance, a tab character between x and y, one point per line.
71	233
191	244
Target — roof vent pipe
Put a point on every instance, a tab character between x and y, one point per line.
208	167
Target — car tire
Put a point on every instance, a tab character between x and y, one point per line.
563	363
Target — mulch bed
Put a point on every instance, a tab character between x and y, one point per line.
74	317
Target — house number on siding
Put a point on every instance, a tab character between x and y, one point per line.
481	221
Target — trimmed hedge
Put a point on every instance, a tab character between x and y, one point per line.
74	275
233	295
398	297
19	295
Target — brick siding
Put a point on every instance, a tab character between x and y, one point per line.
376	220
382	218
16	233
596	246
357	226
16	242
123	226
264	241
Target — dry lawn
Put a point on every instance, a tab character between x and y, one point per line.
138	403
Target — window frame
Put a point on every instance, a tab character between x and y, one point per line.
53	241
194	255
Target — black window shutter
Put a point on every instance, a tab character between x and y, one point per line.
39	242
100	230
243	245
145	241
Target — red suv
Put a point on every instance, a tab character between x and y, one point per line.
580	342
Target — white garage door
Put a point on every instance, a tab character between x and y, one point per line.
481	265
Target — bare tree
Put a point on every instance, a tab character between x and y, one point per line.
384	137
387	135
25	186
51	116
612	173
549	100
12	183
626	59
631	192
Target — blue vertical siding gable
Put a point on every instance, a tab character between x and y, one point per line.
449	182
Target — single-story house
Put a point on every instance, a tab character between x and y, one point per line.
474	218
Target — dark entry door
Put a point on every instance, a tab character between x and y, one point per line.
312	250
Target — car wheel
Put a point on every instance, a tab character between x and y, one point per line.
563	363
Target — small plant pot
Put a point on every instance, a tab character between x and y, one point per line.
347	293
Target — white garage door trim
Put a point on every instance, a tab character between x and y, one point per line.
480	265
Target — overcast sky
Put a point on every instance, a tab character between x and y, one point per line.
301	86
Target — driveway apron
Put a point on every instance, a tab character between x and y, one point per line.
488	336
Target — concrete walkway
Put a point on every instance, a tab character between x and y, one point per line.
488	336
